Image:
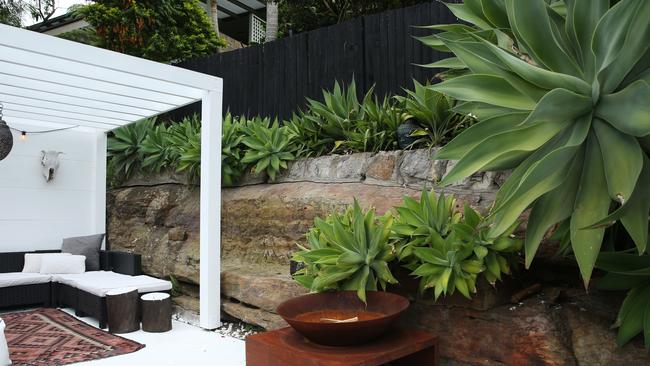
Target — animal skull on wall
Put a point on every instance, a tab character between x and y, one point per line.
50	162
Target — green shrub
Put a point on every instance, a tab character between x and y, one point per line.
433	112
232	167
269	147
348	251
565	103
628	271
447	250
124	151
157	150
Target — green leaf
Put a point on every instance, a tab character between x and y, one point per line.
526	138
560	105
622	158
581	20
486	89
628	110
592	204
552	208
473	136
633	321
447	63
531	24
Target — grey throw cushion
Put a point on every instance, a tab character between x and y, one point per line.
85	245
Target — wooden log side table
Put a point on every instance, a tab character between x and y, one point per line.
122	307
286	347
156	312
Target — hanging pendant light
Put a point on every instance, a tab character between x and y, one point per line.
6	138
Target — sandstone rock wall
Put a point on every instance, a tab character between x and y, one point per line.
158	217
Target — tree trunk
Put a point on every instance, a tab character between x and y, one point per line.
271	21
214	15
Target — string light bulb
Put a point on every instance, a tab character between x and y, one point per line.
23	136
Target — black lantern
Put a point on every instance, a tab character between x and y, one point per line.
6	138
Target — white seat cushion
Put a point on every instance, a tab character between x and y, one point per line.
100	282
22	278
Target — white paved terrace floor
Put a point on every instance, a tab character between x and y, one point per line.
183	345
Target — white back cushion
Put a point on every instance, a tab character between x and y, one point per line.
4	350
63	264
33	261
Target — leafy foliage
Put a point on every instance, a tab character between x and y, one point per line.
342	123
124	148
269	147
433	112
305	15
630	272
564	102
449	250
348	251
160	30
11	12
232	166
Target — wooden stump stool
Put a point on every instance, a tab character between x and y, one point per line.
156	312
122	310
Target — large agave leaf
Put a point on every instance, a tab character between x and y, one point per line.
628	110
592	204
486	89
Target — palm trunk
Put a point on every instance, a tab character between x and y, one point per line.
271	21
214	15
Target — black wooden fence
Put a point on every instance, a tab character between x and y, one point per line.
273	79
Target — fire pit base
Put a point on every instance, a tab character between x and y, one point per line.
286	347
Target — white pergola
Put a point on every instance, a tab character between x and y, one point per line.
50	82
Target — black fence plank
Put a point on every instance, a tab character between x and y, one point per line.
275	78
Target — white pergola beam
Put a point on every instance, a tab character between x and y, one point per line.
11	115
91	72
80	92
37	96
92	84
47	113
62	107
210	236
51	46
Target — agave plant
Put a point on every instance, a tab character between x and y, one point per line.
433	112
270	147
157	150
450	250
629	272
561	90
124	147
232	167
419	223
348	251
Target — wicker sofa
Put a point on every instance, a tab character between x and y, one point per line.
86	297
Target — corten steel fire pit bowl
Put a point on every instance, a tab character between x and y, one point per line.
315	315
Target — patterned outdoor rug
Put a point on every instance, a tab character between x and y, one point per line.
51	337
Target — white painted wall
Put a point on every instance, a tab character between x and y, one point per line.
37	215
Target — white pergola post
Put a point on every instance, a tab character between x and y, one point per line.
99	213
210	210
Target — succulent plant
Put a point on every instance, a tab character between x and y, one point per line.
449	250
433	112
269	147
347	251
561	90
419	223
232	167
627	271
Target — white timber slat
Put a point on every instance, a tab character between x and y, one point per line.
11	108
39	96
43	104
58	120
73	51
21	57
79	91
92	84
30	124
